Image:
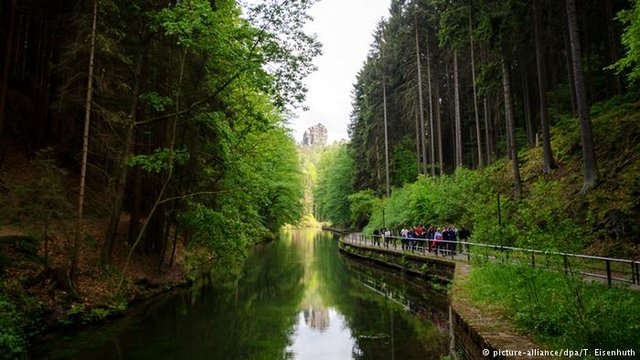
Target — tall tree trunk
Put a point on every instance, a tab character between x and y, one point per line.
163	244
386	136
549	163
6	66
487	127
570	79
431	129
417	124
420	101
378	163
612	38
526	104
85	146
439	131
590	166
475	95
174	245
458	118
511	134
136	205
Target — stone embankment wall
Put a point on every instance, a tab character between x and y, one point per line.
475	333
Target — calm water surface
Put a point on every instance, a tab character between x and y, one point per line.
296	298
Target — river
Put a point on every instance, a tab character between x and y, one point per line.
295	298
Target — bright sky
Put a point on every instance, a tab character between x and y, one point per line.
345	29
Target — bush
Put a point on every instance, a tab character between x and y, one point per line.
12	337
362	205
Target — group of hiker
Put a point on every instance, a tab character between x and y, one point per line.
445	239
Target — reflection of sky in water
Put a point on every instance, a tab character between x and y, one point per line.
334	342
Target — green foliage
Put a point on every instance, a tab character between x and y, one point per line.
21	317
544	218
265	193
630	63
309	158
561	310
81	314
156	101
432	200
454	26
212	111
403	165
12	337
470	198
213	229
361	206
335	173
73	314
160	160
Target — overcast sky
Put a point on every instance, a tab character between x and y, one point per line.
345	29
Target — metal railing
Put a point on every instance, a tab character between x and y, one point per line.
598	267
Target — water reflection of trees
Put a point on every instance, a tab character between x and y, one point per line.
436	314
246	315
251	314
380	325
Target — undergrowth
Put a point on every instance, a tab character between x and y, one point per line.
12	337
562	311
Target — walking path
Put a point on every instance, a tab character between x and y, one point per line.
595	268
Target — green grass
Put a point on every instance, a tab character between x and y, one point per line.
561	311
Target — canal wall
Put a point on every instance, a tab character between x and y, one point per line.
440	270
475	332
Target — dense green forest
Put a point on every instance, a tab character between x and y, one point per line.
466	107
138	134
141	140
519	120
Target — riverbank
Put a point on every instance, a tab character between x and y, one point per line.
475	328
37	296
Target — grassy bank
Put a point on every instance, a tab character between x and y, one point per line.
558	310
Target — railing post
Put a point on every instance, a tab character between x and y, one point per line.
566	262
533	259
468	252
633	273
608	272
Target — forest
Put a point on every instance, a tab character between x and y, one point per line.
519	120
467	108
141	141
136	135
